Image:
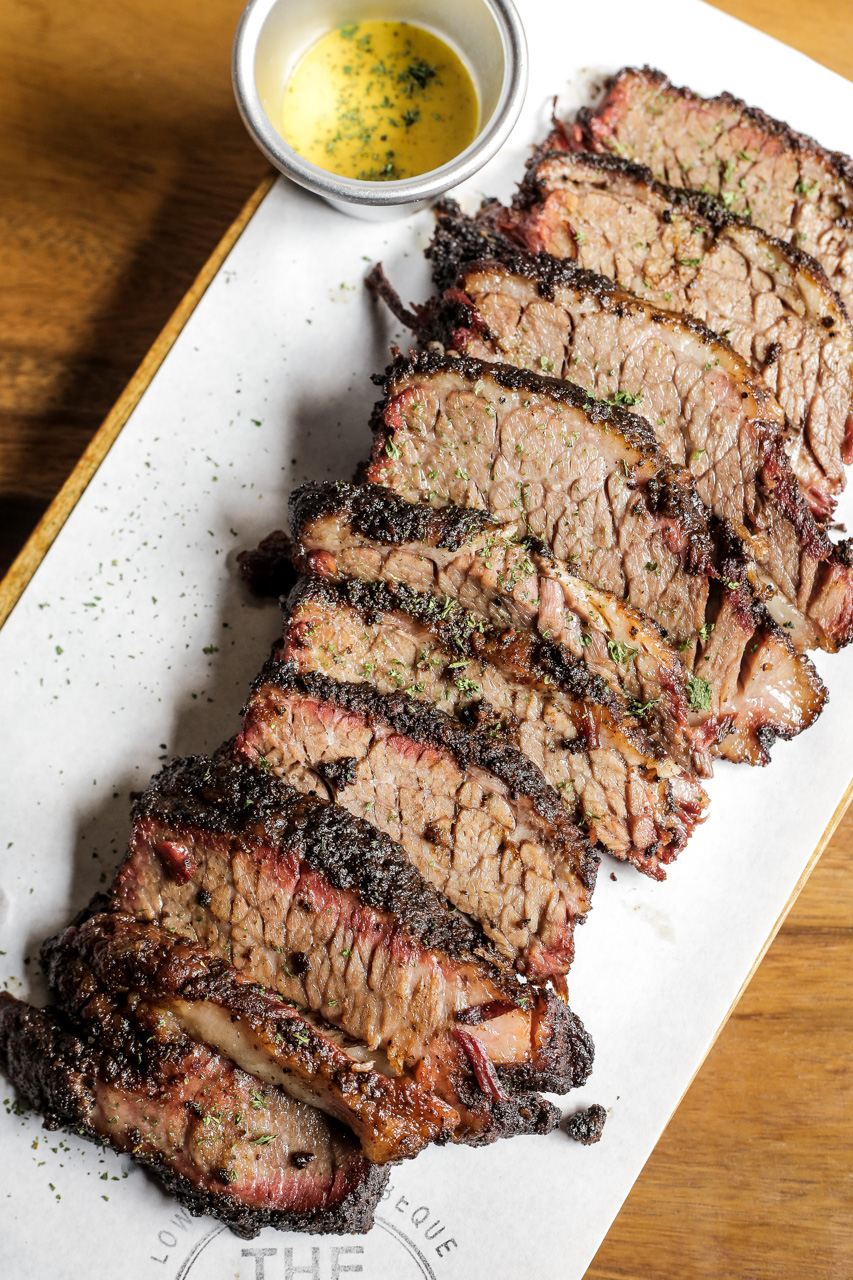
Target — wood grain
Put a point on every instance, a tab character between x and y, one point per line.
123	163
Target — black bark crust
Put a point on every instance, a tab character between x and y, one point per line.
267	570
540	663
377	513
32	1044
566	1059
425	724
226	795
587	1126
517	1117
352	1215
667	492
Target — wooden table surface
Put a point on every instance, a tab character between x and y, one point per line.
122	163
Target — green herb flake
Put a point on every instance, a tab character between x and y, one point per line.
642	708
621	652
698	694
627	398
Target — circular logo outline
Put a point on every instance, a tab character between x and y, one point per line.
389	1227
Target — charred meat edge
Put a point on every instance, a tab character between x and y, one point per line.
818	308
57	1071
377	514
682	505
839	164
262	1034
565	865
225	796
526	659
438	320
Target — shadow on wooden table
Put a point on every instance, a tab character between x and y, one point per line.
121	174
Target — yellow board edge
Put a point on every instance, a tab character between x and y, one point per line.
42	538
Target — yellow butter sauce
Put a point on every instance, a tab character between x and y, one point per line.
380	101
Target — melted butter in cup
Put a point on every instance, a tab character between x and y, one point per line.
379	102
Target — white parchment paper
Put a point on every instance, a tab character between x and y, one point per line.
135	642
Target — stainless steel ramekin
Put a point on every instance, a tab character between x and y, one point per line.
273	34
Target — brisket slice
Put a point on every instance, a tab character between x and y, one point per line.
464	558
222	1141
565	719
706	406
685	251
459	555
329	913
786	183
594	485
588	479
201	995
475	816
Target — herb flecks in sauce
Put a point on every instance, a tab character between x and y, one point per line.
380	101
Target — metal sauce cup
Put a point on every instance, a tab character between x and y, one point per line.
273	35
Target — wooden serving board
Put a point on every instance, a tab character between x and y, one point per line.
676	1181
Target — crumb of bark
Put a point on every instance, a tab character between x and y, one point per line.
612	875
586	1126
268	571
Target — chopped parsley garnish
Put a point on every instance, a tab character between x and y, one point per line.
642	708
621	652
467	686
698	694
419	73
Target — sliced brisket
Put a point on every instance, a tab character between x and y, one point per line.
329	913
566	720
785	182
345	532
476	817
222	1141
684	251
464	558
201	995
588	479
706	406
